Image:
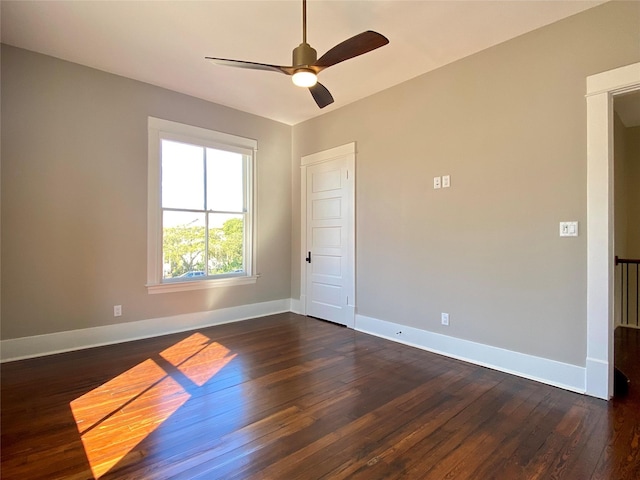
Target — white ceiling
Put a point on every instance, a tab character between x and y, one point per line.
164	42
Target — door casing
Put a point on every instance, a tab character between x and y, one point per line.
601	90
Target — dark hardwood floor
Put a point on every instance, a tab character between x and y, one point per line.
288	397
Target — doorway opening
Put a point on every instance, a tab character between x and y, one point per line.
626	179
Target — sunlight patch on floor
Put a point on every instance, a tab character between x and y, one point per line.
116	416
198	358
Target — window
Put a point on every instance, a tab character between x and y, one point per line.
200	208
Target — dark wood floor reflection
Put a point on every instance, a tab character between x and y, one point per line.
288	397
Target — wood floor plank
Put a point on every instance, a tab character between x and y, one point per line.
486	436
427	406
290	397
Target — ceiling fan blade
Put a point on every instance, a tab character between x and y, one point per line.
352	47
252	65
321	95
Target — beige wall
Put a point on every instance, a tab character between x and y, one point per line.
509	125
627	216
621	193
627	189
627	212
74	197
632	181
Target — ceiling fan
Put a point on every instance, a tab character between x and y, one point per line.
306	64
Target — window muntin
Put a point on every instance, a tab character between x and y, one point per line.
200	208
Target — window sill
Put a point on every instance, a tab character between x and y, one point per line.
199	284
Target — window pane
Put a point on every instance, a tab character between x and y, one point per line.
183	245
225	192
182	176
226	243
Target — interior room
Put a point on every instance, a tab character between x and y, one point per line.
463	304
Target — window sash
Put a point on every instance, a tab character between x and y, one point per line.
206	248
160	130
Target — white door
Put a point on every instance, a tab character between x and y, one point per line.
330	240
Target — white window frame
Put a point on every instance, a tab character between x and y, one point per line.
159	130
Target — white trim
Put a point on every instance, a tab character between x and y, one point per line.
40	345
623	78
596	378
348	149
569	377
601	89
550	372
326	155
298	306
159	129
202	134
169	287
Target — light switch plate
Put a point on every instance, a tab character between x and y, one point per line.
437	182
446	181
568	229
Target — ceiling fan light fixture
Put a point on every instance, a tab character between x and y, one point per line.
306	65
304	78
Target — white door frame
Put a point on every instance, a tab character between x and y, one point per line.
601	90
348	149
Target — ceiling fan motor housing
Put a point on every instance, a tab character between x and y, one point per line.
304	55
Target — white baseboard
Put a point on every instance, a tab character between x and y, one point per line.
298	306
351	316
551	372
569	377
598	381
39	345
